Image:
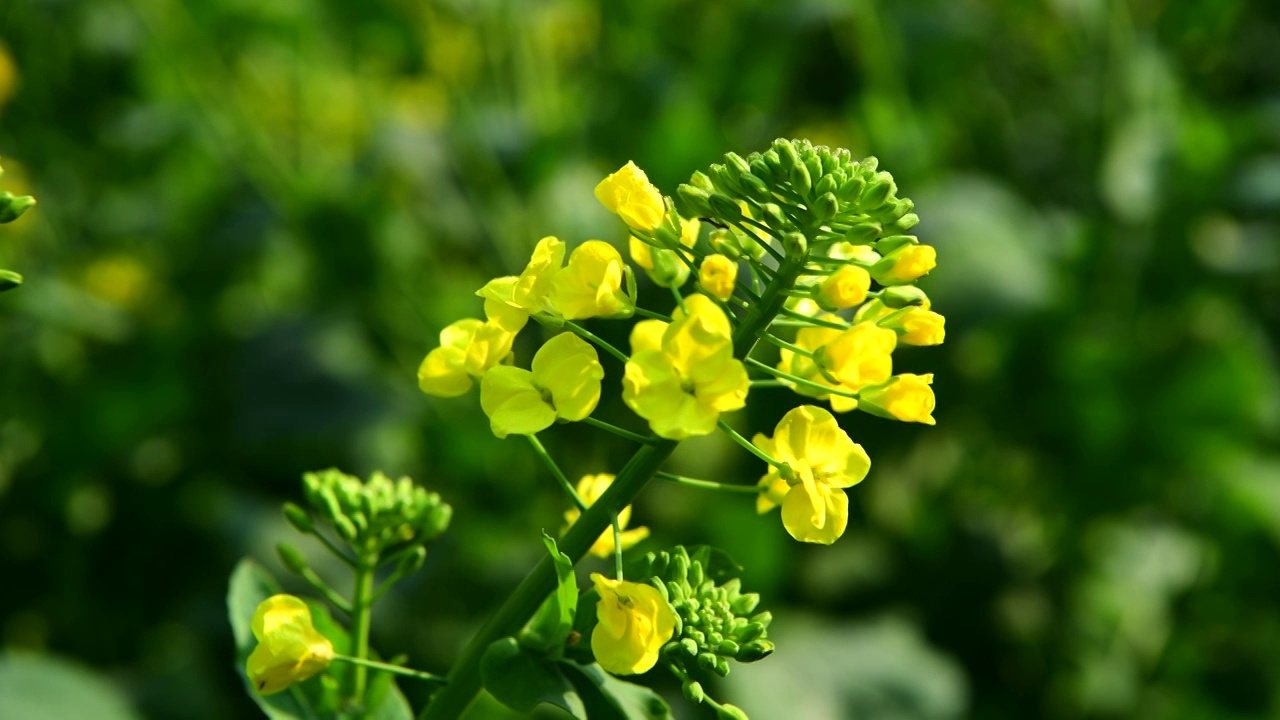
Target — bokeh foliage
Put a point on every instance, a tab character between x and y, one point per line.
256	217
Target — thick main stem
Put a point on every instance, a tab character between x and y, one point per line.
464	680
361	617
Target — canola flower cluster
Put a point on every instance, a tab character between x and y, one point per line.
790	268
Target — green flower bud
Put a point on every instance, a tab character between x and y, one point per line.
12	208
700	181
825	207
906	222
827	184
680	567
869	163
411	562
291	558
299	519
900	296
751	631
787	155
726	181
760	168
735	164
346	529
850	189
795	245
690	646
773	217
9	280
862	233
707	661
725	208
887	245
801	180
878	191
721	668
693	692
727	647
730	712
745	603
755	650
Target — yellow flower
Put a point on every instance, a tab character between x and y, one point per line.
682	375
629	193
717	275
845	287
921	327
591	285
564	383
530	292
468	348
859	356
905	265
819	460
590	488
661	264
633	622
794	363
289	648
906	397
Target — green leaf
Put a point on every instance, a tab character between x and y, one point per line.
40	687
608	698
318	697
551	625
522	681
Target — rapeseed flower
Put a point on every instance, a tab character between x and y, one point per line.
590	488
630	195
593	284
289	649
817	459
682	374
564	384
633	622
468	349
906	397
717	276
906	264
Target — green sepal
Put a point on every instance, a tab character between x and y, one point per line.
12	208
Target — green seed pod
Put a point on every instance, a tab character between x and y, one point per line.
754	651
299	518
900	296
291	558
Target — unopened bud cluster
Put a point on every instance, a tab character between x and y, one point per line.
11	208
717	622
379	513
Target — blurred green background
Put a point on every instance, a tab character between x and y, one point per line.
256	216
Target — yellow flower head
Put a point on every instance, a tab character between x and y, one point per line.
819	460
633	622
906	264
590	488
661	264
906	397
860	356
468	348
844	288
529	292
629	193
564	383
717	275
921	327
289	648
592	284
682	375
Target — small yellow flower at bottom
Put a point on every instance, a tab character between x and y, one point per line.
921	327
844	288
633	622
906	397
820	460
590	488
906	264
564	383
717	275
289	649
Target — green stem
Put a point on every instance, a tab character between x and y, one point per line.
323	588
773	340
652	315
555	470
593	338
464	680
337	551
826	389
746	444
769	384
627	434
675	292
387	667
707	484
800	317
361	618
617	547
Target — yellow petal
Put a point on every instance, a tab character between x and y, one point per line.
443	373
532	289
512	402
568	368
591	285
633	623
289	648
646	336
815	513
